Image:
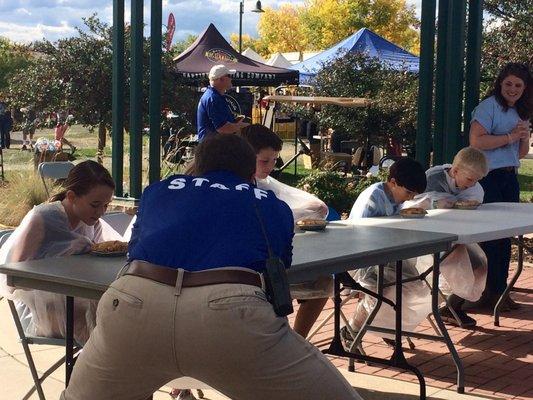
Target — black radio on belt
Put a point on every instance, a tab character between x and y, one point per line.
277	287
275	276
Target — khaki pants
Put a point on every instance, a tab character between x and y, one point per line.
226	336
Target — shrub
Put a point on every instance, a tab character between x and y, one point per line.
337	191
22	192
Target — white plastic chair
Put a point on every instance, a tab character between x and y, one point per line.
54	170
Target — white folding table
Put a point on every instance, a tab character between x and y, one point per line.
489	222
336	250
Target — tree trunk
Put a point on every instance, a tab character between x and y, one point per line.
101	142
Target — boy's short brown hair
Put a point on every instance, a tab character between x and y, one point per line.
408	173
260	137
473	160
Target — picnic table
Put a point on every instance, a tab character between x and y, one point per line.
338	249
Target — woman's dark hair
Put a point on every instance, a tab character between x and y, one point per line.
524	105
225	152
260	137
83	178
409	173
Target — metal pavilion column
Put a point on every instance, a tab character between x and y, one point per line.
136	98
425	88
117	155
454	79
451	86
473	62
154	172
440	84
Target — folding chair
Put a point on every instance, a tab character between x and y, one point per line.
26	340
4	235
22	324
54	170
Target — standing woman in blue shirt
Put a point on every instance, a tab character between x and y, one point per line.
500	128
214	115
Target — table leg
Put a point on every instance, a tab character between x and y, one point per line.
398	358
336	345
442	327
358	338
69	339
510	285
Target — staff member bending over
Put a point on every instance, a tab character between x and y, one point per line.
191	302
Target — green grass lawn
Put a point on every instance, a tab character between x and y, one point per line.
525	177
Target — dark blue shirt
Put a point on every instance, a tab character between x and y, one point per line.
198	223
213	113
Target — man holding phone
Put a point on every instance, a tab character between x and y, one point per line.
214	115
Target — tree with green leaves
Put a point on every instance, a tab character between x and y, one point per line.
181	45
76	73
255	44
506	36
393	95
13	57
319	24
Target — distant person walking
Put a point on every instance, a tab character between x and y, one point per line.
62	126
500	128
28	127
6	124
214	115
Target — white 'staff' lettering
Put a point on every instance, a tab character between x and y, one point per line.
180	183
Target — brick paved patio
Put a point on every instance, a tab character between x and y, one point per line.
498	361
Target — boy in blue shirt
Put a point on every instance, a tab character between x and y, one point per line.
406	179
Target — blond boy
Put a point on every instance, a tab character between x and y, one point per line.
459	179
447	184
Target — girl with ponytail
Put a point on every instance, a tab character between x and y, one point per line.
69	223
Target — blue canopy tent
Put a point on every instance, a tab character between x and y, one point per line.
365	41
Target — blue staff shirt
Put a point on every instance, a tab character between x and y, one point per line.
213	113
490	114
199	223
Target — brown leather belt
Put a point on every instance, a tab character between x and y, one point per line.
168	276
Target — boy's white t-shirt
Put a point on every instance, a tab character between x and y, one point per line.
374	202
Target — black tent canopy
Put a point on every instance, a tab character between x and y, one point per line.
210	48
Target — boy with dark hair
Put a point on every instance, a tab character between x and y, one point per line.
312	296
406	179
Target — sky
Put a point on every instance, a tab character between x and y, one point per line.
29	20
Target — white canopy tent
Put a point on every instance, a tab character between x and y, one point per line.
278	60
254	56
